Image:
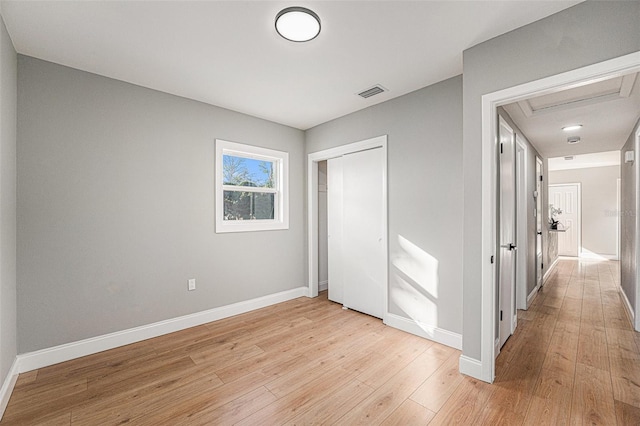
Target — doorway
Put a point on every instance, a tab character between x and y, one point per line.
490	102
379	146
565	206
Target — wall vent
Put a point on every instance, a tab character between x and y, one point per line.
573	140
372	91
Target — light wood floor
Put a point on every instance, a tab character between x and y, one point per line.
574	359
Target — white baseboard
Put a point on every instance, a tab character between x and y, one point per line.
627	305
430	332
7	386
45	357
470	367
548	273
532	296
323	285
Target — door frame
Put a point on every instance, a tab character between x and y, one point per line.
637	277
312	208
489	104
540	201
522	222
579	212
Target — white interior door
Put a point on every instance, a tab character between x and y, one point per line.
335	278
363	248
507	231
538	195
566	197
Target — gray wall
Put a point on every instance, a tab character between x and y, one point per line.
629	274
8	78
585	34
116	208
599	187
425	192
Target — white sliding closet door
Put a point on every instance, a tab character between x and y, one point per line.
363	251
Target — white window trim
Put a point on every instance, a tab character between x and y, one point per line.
281	209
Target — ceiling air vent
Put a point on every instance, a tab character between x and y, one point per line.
377	89
568	158
573	140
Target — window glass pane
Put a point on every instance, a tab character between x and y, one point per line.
241	171
239	205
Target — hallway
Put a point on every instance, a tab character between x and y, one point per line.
574	358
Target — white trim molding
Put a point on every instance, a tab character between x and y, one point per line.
470	366
323	285
550	270
627	304
45	357
532	296
7	386
489	103
430	332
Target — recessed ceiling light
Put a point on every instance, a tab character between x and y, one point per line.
297	24
572	128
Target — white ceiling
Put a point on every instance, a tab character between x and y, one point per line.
227	53
607	110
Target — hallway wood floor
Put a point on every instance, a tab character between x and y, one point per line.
574	359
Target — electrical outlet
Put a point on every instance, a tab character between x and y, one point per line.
192	284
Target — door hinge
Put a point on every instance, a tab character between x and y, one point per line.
491	259
501	148
500	315
541	177
541	265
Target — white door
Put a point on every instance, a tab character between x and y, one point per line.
334	229
538	196
507	231
363	251
566	197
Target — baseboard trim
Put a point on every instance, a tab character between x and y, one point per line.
323	285
7	386
547	274
430	332
627	305
45	357
532	296
470	367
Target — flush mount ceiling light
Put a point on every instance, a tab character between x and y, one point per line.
572	127
297	24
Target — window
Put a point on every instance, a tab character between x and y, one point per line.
251	188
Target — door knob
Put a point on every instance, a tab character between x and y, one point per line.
509	246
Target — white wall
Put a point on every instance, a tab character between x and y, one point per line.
8	70
424	131
582	35
599	186
116	208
